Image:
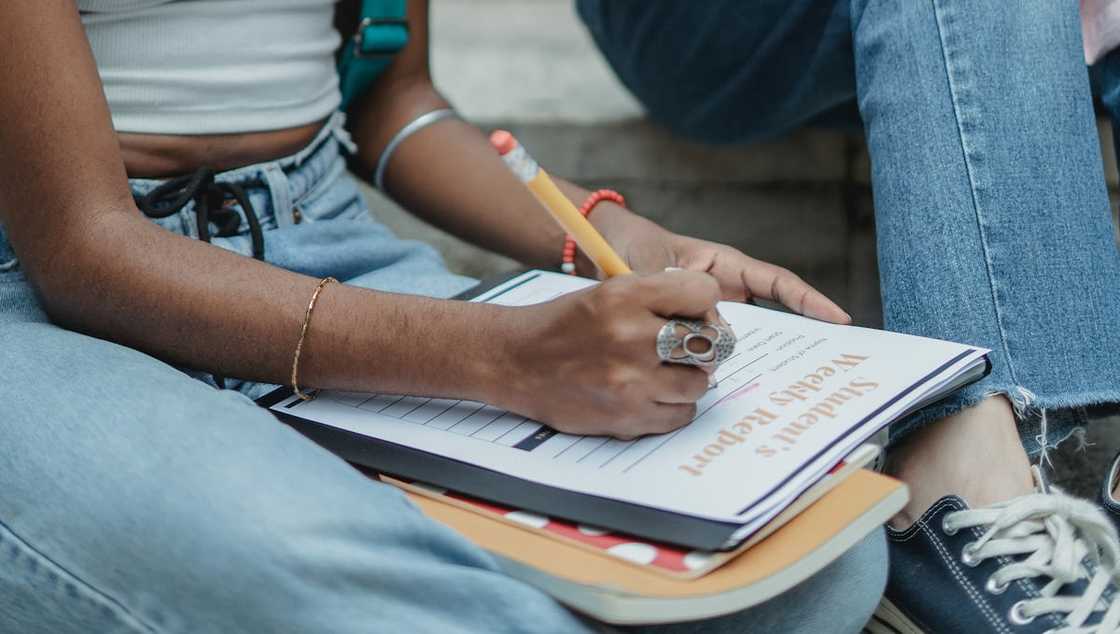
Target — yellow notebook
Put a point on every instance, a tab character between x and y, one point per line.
617	592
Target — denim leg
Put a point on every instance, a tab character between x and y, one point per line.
731	71
136	499
839	598
991	211
992	214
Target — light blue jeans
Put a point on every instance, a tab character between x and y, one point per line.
991	210
134	498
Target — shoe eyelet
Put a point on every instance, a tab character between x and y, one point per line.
1016	616
945	528
968	555
994	588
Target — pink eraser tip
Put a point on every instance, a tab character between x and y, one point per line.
503	141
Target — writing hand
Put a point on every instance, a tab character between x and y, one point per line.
647	247
587	363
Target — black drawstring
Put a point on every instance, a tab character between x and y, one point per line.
209	198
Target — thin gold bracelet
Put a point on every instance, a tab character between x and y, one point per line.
303	334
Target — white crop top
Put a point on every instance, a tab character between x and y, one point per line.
214	66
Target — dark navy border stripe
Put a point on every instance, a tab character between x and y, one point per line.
510	288
919	383
488	284
536	439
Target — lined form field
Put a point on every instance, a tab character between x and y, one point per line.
468	418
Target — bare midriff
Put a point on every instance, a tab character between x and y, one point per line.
160	156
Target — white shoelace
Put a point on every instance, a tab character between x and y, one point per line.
1058	534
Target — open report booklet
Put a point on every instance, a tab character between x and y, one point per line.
796	398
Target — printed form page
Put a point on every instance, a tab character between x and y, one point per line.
797	396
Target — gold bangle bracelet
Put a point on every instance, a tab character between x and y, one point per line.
303	334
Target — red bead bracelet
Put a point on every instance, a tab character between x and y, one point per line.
568	261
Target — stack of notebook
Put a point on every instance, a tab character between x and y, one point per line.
762	489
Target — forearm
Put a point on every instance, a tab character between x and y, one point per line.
196	305
449	175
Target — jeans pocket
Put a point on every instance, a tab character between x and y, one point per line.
334	196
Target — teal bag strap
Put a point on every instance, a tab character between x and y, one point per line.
381	34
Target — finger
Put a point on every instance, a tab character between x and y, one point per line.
772	282
680	294
677	383
669	417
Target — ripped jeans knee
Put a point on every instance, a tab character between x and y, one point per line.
1042	429
1042	426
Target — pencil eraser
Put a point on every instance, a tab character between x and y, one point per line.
503	141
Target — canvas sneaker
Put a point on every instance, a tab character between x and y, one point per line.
1042	563
1107	500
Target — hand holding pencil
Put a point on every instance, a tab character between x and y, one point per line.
685	341
562	209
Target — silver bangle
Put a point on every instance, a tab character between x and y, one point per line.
412	127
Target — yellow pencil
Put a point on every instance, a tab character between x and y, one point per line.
537	180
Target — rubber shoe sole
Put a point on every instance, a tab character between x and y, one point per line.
890	620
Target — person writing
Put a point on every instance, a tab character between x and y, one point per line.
173	192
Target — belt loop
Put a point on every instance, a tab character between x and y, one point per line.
280	190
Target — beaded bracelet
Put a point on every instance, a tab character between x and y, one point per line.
568	261
303	334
